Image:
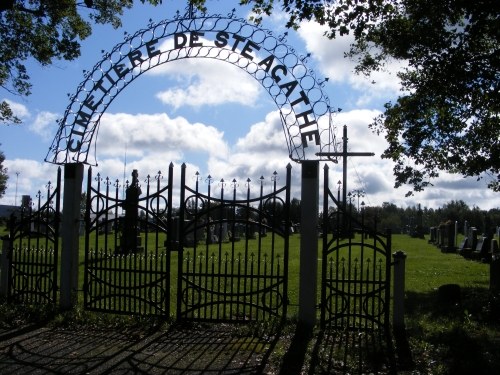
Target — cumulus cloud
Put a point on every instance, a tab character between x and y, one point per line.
157	134
206	82
18	109
32	177
330	57
45	125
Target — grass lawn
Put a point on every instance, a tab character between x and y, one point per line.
461	338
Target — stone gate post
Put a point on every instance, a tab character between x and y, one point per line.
398	308
73	177
308	280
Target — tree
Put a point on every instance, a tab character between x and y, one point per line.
448	117
46	30
3	175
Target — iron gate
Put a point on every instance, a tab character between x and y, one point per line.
240	271
127	253
355	269
34	248
231	252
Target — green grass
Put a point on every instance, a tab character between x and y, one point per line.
458	338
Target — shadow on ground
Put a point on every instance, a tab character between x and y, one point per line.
213	350
209	349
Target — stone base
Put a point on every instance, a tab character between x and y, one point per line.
130	245
466	253
448	249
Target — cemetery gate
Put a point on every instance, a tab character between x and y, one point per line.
356	268
34	247
127	257
231	252
246	278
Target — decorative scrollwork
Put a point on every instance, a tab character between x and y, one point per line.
260	53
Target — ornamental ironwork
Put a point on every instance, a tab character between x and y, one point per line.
294	88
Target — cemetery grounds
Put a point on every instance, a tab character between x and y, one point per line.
457	338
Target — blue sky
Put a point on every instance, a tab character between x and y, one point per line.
214	117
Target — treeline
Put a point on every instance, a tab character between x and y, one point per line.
400	220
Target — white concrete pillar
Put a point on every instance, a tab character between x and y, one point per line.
73	177
308	282
398	310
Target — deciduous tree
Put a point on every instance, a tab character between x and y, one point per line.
447	117
3	175
46	30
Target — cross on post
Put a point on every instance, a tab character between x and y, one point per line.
344	154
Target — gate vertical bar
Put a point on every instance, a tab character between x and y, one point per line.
169	244
57	224
180	260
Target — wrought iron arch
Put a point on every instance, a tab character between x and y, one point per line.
275	65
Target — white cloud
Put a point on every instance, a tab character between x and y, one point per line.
32	178
157	134
330	56
45	125
207	82
18	109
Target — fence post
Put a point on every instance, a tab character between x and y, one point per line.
398	311
73	177
4	266
308	280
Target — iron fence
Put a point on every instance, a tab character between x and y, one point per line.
34	248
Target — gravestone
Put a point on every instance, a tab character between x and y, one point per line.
471	244
211	237
263	229
250	230
463	244
105	227
441	237
433	235
494	251
81	230
173	235
473	237
466	228
482	249
448	242
221	231
130	239
418	232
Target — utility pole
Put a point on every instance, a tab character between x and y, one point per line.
17	180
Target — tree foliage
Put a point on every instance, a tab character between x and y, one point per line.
3	175
46	30
447	117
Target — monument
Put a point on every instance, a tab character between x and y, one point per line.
130	239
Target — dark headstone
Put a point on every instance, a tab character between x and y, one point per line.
463	244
